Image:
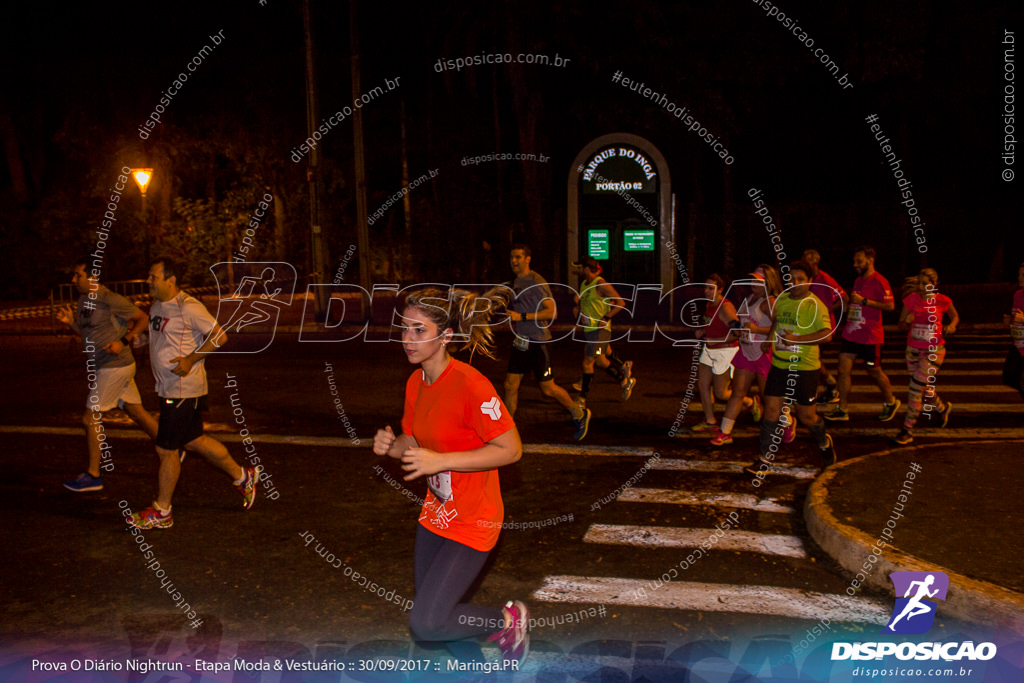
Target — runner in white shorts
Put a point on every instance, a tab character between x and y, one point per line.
715	370
108	324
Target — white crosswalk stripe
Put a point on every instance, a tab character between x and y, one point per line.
727	467
713	597
742	501
674	537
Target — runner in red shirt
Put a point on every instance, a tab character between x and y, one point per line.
863	335
457	432
825	287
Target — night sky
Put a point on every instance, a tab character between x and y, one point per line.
79	81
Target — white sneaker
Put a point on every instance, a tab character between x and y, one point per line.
627	388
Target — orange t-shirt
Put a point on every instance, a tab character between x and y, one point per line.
460	411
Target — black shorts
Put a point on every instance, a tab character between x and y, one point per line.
596	342
803	388
181	421
869	353
535	359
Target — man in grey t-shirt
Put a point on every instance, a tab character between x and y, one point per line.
534	305
107	323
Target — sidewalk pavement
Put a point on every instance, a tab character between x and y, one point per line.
954	520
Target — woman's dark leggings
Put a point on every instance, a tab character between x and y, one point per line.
445	569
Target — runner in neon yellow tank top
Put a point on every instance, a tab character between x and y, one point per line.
598	303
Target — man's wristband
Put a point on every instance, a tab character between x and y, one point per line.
124	340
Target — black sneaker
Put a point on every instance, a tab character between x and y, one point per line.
945	414
828	452
84	482
758	468
889	410
830	395
582	425
837	414
902	439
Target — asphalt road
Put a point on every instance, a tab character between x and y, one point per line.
74	579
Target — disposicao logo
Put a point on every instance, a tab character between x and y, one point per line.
914	613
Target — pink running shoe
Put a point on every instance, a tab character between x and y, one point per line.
152	518
790	433
721	439
514	639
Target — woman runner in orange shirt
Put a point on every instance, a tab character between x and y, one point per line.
457	432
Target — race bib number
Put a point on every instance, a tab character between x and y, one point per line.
922	332
856	313
521	344
440	485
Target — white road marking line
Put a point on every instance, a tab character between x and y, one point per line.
562	449
211	429
714	597
944	389
836	429
558	449
961	358
728	467
743	501
1017	407
876	407
676	537
902	372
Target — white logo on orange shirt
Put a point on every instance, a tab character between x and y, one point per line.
492	408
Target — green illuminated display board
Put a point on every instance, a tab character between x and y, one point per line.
597	244
637	240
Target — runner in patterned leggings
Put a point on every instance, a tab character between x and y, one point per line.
457	432
750	363
923	310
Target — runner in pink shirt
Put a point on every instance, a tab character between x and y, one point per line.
825	287
923	310
863	335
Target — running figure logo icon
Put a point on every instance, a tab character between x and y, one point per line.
253	294
913	614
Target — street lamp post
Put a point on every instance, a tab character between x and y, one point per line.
142	177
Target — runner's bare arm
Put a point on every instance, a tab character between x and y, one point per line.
386	443
954	319
217	338
498	452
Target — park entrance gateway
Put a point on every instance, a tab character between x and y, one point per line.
620	210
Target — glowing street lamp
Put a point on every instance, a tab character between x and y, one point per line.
142	177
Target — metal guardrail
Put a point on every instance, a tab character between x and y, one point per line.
66	294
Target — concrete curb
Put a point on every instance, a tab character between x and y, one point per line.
968	599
